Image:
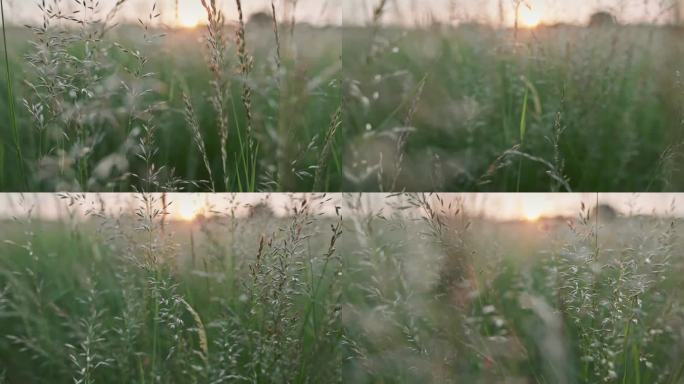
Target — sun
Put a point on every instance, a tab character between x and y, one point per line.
532	215
190	13
529	17
188	209
533	212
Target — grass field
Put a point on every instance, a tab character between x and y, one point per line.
408	288
137	300
474	108
227	107
362	107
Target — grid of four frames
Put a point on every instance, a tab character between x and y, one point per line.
325	191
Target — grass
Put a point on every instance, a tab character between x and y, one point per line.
483	108
612	92
448	298
121	300
403	288
523	127
10	95
103	105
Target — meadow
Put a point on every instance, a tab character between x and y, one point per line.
475	107
338	288
366	106
102	104
140	298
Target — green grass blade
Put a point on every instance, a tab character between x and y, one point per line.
10	96
523	117
523	128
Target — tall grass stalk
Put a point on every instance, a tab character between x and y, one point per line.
217	47
191	120
249	150
10	98
522	130
276	33
324	155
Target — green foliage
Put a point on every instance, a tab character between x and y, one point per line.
113	300
414	290
102	106
449	299
597	109
601	85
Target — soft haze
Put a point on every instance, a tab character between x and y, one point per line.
487	11
498	206
311	11
398	11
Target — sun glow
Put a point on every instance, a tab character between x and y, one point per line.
188	209
532	215
533	210
190	13
529	17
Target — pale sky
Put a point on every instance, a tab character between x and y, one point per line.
398	11
500	206
549	11
313	11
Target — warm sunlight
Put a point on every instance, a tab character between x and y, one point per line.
190	13
533	209
529	17
188	209
532	214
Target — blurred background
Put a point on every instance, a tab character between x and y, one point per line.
513	95
502	12
188	13
491	206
